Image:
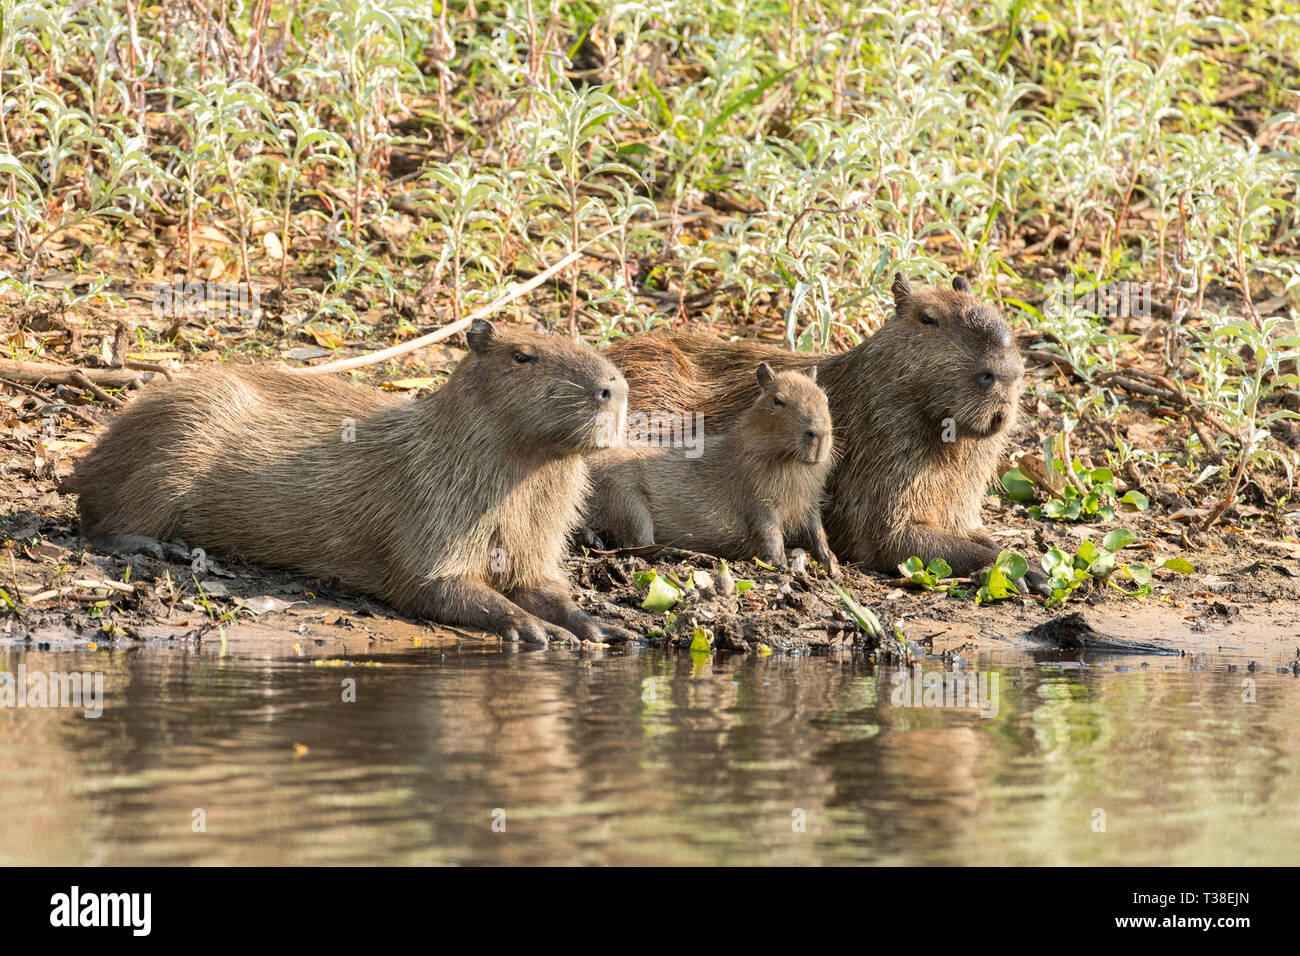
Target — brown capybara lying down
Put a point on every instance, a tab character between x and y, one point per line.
922	413
456	508
746	492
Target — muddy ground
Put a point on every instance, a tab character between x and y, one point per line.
1244	592
1243	595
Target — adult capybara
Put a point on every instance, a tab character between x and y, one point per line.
456	508
922	412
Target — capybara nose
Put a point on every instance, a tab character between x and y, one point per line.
986	379
613	391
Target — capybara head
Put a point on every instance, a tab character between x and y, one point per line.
545	389
955	357
790	419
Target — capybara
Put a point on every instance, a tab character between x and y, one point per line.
922	409
749	491
456	508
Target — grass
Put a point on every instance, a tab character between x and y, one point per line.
765	165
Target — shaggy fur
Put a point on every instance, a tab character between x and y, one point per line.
922	411
456	508
753	487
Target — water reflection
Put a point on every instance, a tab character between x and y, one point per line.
643	757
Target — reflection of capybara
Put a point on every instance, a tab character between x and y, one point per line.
922	411
753	488
456	508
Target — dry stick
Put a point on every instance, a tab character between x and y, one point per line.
71	409
39	373
76	377
447	331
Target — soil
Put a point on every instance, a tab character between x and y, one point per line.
1244	592
1244	595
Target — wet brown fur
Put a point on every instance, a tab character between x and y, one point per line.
456	507
897	488
752	487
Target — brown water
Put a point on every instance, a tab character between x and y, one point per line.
710	762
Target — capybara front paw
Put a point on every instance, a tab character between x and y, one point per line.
531	630
613	634
826	558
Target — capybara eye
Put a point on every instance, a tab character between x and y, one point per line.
928	319
777	402
522	357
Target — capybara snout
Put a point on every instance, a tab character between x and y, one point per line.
583	395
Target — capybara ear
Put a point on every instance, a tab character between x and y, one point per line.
765	377
962	284
480	333
811	372
901	288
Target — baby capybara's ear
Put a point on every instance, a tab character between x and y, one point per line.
962	284
480	333
811	372
765	377
901	288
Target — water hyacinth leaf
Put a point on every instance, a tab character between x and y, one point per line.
1138	572
1017	486
1180	565
663	595
911	567
865	617
940	569
1119	538
1012	565
1134	501
700	641
1056	561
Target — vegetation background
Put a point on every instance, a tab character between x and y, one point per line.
369	169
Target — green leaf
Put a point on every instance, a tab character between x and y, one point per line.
865	617
940	569
663	595
1134	501
1181	565
1018	487
1012	565
1138	572
1119	538
700	641
1055	560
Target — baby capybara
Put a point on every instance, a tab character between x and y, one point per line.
752	489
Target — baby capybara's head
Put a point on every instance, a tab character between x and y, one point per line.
790	419
955	358
545	390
